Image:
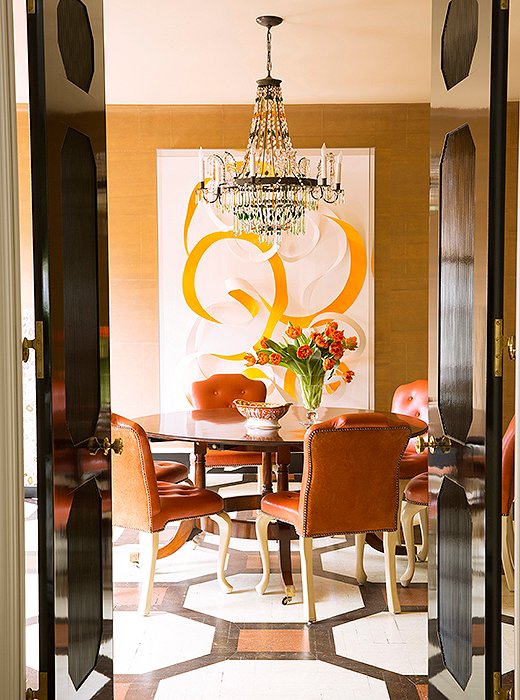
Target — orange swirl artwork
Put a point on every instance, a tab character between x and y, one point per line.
219	293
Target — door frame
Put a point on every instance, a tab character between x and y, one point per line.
12	549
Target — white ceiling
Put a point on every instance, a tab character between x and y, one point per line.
212	51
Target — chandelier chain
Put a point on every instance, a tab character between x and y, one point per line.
269	64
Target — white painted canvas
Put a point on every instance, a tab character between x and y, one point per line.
218	294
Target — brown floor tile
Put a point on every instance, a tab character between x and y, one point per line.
273	640
411	596
422	691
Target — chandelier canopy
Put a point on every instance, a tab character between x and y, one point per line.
269	191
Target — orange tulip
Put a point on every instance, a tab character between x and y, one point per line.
330	328
275	358
263	358
336	348
328	363
351	342
249	359
348	376
337	335
303	352
293	331
321	341
263	343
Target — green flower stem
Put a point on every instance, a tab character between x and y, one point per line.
312	389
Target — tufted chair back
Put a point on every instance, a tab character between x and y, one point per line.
219	391
351	473
135	497
412	400
508	465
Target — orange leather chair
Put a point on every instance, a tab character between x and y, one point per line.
140	502
416	501
349	486
219	391
412	400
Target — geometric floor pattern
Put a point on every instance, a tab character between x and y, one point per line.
199	643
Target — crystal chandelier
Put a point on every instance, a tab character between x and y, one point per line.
269	192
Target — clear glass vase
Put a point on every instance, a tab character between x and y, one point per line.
312	391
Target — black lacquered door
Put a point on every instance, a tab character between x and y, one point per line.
469	66
68	152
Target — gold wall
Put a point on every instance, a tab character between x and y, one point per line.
400	134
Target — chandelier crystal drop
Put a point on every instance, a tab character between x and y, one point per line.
269	192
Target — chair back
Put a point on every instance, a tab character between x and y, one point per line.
220	390
351	474
508	466
412	400
135	498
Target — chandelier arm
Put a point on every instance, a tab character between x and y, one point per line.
335	196
210	198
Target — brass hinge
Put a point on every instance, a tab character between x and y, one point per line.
31	7
41	693
37	345
498	692
501	343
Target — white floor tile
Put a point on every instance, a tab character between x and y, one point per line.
395	642
245	605
275	680
144	644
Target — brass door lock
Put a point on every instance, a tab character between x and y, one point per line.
37	345
95	445
442	443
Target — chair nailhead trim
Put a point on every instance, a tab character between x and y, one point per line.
309	458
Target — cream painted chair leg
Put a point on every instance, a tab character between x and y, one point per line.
507	561
403	483
262	524
361	575
307	578
148	544
422	555
408	513
224	530
389	543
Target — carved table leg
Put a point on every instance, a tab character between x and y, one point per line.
285	531
199	456
283	460
267	474
199	462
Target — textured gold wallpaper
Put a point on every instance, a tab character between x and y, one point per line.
400	134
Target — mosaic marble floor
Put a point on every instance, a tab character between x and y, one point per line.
199	644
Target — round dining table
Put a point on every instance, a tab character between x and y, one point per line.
226	429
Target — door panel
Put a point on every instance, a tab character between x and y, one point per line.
68	153
465	397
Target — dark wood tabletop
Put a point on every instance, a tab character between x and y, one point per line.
226	427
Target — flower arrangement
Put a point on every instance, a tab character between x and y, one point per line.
309	355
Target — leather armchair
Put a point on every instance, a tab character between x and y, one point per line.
219	391
349	486
142	503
